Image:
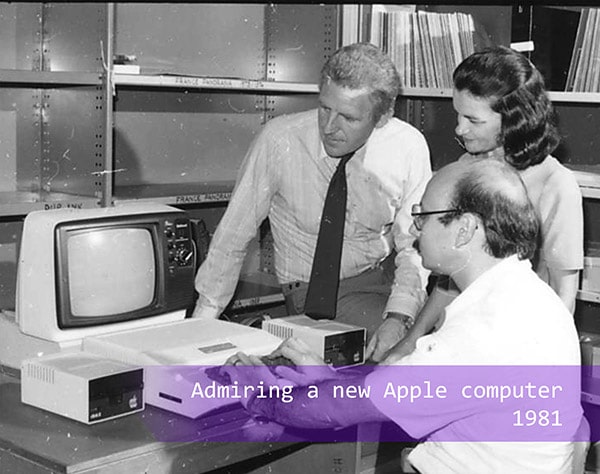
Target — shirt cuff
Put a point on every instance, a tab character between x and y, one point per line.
405	305
203	311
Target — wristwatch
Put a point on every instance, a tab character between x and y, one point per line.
406	320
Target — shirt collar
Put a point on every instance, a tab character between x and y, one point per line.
489	279
358	153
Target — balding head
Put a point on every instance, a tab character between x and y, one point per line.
493	175
494	192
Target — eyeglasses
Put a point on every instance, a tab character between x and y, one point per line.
419	216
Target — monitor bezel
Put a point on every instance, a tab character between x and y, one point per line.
65	319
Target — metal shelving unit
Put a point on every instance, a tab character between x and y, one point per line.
555	96
51	106
200	192
589	296
47	79
59	93
248	80
588	177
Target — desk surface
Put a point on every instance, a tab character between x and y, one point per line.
35	441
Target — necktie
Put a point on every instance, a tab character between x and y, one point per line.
321	297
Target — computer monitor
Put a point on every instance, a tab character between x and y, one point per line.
87	272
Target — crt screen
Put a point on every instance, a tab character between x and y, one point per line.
111	271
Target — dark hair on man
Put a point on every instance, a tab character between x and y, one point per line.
494	191
364	66
515	89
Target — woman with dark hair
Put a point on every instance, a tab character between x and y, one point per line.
504	113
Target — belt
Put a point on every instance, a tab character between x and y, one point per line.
296	284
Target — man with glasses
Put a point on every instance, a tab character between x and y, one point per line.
504	113
476	223
418	214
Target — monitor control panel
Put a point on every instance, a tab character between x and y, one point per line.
179	242
179	257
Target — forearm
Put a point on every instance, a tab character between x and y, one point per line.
408	293
206	309
431	312
319	410
216	280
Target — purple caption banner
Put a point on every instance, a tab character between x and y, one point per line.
441	403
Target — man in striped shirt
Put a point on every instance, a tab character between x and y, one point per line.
285	176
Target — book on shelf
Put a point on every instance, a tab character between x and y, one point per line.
427	49
354	28
416	55
350	22
594	73
584	70
425	46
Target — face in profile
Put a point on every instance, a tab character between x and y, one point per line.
345	118
478	126
434	239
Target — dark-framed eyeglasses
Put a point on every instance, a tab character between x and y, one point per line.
419	215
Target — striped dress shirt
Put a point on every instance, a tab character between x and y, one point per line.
285	176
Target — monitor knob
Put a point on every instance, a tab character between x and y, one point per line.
183	256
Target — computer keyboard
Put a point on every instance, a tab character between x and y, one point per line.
271	361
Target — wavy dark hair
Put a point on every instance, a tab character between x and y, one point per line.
363	65
516	90
495	192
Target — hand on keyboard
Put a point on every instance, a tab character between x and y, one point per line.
309	368
293	361
275	359
272	361
218	375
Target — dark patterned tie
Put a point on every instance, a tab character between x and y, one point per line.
321	297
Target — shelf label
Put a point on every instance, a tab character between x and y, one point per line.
218	82
66	205
208	197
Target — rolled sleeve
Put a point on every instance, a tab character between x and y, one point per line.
410	278
217	277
